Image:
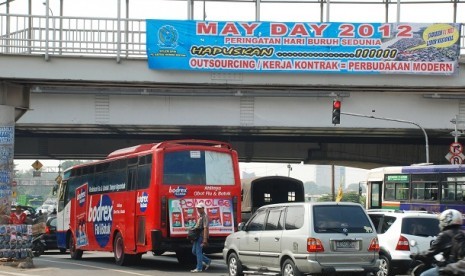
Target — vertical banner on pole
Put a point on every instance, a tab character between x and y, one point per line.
7	134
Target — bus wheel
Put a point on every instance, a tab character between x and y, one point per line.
186	258
75	253
118	249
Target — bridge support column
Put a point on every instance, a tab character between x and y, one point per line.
7	138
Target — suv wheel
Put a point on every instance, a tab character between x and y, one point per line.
234	265
384	264
289	269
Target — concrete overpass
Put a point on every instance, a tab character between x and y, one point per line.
73	105
266	121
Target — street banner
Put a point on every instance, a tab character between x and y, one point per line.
303	47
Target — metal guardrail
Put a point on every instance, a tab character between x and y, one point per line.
35	182
80	36
72	36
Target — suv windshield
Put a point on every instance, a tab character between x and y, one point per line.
424	227
340	219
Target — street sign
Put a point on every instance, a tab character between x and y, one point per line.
455	158
456	148
37	165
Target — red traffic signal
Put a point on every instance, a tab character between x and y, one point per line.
336	115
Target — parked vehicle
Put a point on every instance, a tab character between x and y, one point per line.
304	238
50	235
257	192
396	230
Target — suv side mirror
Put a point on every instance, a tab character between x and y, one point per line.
241	226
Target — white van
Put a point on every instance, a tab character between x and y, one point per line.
304	238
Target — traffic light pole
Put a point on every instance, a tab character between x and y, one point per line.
395	120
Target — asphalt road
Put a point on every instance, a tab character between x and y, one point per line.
53	263
102	264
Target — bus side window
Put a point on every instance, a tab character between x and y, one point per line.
132	178
143	176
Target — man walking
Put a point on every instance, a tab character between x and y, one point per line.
202	241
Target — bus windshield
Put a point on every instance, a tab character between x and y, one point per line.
198	167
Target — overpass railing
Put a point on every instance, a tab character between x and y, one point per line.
76	36
80	36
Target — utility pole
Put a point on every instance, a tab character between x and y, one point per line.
396	120
333	189
456	133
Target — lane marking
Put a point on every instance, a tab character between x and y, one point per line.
3	273
97	267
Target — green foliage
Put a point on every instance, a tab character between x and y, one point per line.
69	163
354	187
313	189
326	197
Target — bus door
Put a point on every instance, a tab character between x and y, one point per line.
374	199
142	176
79	222
131	203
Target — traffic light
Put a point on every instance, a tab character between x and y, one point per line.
336	115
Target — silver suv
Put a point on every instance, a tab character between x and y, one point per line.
303	238
396	229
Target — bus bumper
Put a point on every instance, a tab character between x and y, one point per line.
215	244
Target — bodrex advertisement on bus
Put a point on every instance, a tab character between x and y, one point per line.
183	215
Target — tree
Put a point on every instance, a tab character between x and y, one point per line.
354	187
69	163
314	189
326	197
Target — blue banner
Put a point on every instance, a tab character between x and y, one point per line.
356	48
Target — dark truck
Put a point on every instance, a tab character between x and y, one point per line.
260	191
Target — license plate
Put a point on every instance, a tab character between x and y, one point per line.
346	244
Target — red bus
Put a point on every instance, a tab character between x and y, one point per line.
142	199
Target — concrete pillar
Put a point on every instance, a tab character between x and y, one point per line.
7	138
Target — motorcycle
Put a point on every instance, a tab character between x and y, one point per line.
419	265
38	245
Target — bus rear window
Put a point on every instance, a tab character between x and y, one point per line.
196	167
